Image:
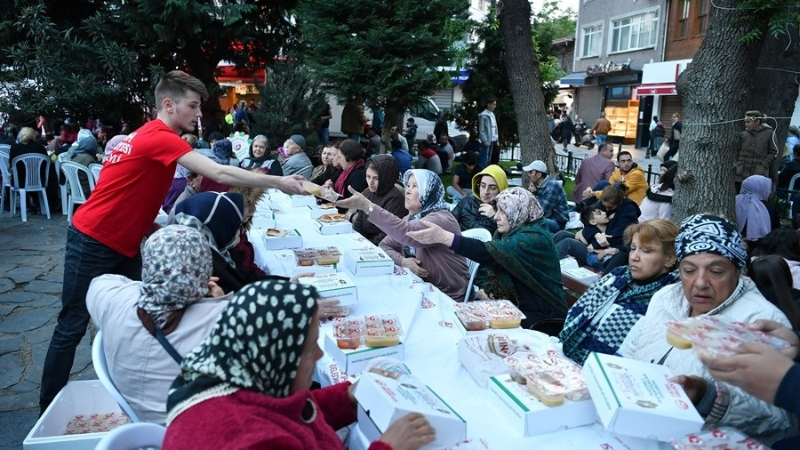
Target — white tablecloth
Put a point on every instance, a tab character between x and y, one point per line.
430	343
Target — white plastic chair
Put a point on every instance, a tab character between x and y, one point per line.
76	195
101	369
5	149
33	182
64	193
133	436
96	168
791	188
6	185
483	235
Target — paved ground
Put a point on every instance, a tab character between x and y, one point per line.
31	271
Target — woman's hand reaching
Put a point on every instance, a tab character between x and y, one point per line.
431	234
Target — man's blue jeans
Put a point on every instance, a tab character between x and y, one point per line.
483	156
553	225
601	139
84	260
323	135
354	136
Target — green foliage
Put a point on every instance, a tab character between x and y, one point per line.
86	56
487	71
384	52
290	100
776	14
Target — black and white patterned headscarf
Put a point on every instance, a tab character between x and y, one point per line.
256	343
703	233
431	192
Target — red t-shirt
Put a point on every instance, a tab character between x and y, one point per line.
136	178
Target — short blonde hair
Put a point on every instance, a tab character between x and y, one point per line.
27	135
656	234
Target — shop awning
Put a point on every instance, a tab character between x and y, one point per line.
656	89
574	79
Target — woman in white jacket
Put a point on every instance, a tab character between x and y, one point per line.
711	256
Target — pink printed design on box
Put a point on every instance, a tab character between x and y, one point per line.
550	376
717	439
715	336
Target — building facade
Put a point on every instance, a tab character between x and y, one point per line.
614	41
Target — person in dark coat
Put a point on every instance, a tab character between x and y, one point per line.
383	172
563	131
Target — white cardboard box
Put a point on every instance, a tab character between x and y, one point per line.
367	262
77	397
353	362
293	270
382	401
636	398
569	263
293	239
264	218
315	211
582	275
302	200
342	227
334	285
529	416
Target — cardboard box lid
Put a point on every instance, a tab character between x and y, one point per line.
329	281
289	233
581	273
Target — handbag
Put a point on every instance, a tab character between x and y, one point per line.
662	151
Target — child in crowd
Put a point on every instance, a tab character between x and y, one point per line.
594	234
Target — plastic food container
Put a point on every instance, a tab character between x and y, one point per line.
348	332
382	331
550	377
322	256
715	336
483	314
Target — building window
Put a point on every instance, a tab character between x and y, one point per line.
683	21
635	32
592	35
702	17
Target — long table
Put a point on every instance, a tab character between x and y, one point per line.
430	340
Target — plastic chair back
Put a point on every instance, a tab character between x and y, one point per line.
5	148
33	171
4	165
101	369
96	168
483	235
71	170
133	436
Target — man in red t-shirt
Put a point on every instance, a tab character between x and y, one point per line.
107	230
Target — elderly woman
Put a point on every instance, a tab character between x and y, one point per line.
382	173
424	198
476	210
248	384
260	158
520	264
756	219
176	297
333	168
351	159
218	216
326	157
296	162
711	257
603	316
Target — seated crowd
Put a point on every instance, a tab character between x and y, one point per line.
180	338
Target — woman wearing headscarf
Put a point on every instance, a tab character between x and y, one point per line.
601	319
243	254
260	158
382	173
223	149
218	216
711	257
247	385
424	198
657	204
754	217
85	153
520	264
476	211
177	295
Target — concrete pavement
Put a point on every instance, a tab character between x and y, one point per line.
31	272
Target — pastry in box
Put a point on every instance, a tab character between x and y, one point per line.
277	239
482	314
322	192
717	336
549	376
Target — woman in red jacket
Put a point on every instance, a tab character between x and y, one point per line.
247	385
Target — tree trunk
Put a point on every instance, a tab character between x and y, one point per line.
775	91
715	90
525	81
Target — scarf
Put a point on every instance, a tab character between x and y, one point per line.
519	205
526	253
431	191
341	182
751	212
256	345
222	149
176	267
388	172
702	233
589	328
217	215
87	145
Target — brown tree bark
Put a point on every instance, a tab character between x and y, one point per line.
716	90
525	81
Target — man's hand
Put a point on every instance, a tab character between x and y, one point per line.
695	387
330	308
487	210
587	193
431	234
757	369
780	331
414	265
410	432
356	201
291	185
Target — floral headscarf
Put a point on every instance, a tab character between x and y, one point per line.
176	267
519	205
431	191
256	344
